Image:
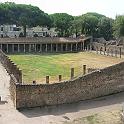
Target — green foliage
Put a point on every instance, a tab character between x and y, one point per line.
24	15
105	28
118	26
62	22
90	23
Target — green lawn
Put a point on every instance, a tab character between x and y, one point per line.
36	67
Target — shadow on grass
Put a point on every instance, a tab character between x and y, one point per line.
42	54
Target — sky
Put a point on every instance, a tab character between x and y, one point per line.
110	8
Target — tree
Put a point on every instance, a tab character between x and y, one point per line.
23	15
62	22
118	26
89	25
105	28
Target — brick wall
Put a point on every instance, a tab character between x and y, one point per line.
95	84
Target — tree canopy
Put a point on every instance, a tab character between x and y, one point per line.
118	26
24	15
91	23
62	22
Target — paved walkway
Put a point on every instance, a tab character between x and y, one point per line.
52	115
4	83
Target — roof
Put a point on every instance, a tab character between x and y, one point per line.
39	40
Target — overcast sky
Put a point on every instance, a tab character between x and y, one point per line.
109	8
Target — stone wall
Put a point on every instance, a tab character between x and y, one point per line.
107	48
11	67
14	72
95	84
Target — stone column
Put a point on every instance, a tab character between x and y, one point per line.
29	48
13	48
120	52
71	47
104	50
24	48
66	47
84	69
40	47
47	79
46	48
56	47
115	53
18	48
108	52
72	73
61	47
1	47
7	49
60	78
81	46
51	47
76	47
35	48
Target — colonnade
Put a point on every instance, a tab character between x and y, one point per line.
38	47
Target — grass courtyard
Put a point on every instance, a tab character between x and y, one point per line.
37	67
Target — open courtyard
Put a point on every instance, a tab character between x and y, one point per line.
38	66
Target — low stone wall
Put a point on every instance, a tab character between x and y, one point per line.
14	72
11	67
95	84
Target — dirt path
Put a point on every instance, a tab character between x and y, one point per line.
4	83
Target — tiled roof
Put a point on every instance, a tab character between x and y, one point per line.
38	40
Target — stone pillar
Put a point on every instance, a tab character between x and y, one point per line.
97	50
71	47
60	78
120	52
100	51
115	53
66	47
47	79
40	47
111	52
7	48
107	52
51	48
76	47
72	73
1	47
46	48
81	46
61	47
84	69
29	48
104	50
56	47
13	48
34	82
18	48
24	48
34	47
